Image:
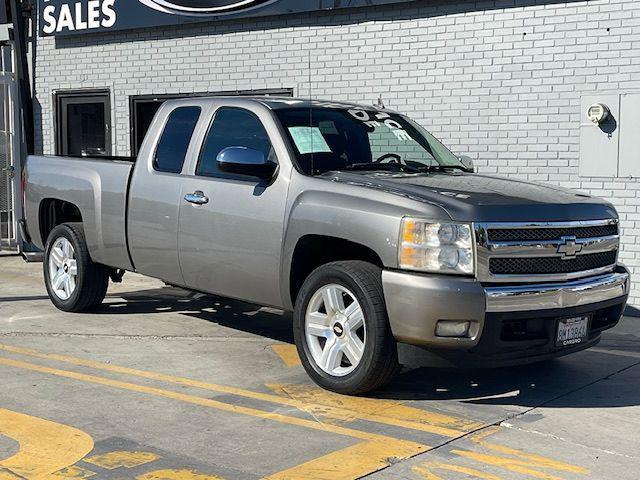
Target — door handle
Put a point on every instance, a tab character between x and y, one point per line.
197	198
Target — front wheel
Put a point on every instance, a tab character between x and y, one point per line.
341	328
74	283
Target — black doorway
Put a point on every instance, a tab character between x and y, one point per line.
83	122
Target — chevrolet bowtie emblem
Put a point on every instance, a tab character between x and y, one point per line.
569	248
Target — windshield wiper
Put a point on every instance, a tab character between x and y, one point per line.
386	167
439	168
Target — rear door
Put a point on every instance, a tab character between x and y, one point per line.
156	192
232	245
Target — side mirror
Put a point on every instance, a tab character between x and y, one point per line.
467	162
246	161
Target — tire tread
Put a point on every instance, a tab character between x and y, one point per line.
95	281
385	365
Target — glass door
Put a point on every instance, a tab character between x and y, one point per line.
84	124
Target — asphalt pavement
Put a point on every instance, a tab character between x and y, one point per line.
161	383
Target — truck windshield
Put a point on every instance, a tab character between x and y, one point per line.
327	139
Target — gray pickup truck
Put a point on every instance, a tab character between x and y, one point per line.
386	246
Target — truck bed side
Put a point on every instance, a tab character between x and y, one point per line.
96	187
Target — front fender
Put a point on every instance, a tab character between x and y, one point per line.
373	223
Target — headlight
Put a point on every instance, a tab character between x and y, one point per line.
436	247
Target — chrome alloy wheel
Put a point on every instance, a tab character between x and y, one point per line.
335	330
63	268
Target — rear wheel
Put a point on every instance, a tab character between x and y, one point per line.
74	283
341	328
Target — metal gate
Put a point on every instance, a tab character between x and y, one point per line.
10	208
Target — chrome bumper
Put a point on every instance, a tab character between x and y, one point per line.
557	295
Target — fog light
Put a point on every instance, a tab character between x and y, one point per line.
453	329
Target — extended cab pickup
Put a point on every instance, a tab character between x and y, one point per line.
386	246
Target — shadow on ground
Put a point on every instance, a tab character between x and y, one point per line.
254	319
531	385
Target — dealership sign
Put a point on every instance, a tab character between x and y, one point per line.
65	17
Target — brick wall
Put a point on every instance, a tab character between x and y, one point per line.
498	80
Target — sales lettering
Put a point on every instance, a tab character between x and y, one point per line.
79	16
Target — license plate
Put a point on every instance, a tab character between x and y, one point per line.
572	331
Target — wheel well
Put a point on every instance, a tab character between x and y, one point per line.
54	212
313	251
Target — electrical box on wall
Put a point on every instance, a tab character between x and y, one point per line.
599	135
629	160
610	135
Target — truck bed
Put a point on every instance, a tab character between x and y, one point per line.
110	158
98	186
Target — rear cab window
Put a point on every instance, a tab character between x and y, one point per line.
176	137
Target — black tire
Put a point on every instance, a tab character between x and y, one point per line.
92	279
379	362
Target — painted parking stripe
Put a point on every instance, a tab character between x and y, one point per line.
525	459
510	459
346	408
405	417
288	354
523	467
45	447
342	465
338	465
176	475
426	471
122	459
73	473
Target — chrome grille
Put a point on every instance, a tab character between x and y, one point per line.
541	252
550	265
537	234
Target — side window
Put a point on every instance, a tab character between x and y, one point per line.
175	140
232	127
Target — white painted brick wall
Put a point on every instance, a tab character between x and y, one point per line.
498	80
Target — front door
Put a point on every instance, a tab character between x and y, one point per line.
231	244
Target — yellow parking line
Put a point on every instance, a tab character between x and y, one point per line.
405	417
427	473
176	475
517	461
73	473
45	446
346	464
345	408
345	470
113	460
515	465
529	458
288	354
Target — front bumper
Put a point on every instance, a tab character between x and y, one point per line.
416	303
522	298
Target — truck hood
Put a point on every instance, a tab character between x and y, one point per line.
470	197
